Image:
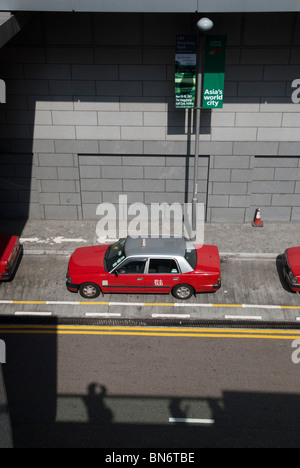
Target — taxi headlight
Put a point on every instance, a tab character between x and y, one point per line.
293	278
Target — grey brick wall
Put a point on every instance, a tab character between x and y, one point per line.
90	115
18	187
276	187
144	179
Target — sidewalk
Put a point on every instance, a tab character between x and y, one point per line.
237	240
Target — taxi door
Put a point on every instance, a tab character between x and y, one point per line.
127	277
163	274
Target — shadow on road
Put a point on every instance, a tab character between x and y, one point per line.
42	417
240	419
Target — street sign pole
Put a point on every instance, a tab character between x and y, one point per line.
203	25
197	132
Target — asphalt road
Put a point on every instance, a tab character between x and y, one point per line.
252	288
151	388
146	387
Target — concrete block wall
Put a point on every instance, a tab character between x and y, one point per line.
229	189
90	105
146	180
277	187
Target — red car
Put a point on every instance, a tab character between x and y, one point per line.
145	265
10	252
291	267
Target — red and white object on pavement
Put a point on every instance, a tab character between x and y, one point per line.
257	219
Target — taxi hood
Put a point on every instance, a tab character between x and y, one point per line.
89	258
293	258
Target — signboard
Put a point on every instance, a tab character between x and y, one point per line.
214	72
185	72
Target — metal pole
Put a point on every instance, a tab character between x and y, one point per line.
197	133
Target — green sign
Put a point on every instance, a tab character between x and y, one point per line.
185	73
214	72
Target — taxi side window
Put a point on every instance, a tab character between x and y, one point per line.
132	267
163	265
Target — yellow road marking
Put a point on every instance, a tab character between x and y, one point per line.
157	329
151	331
151	304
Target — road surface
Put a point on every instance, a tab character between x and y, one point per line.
151	388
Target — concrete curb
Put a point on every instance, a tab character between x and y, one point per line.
47	252
249	255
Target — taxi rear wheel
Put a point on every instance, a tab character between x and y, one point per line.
89	290
183	291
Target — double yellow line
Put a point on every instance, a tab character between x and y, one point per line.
151	331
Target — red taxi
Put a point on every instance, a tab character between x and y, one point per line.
291	267
145	265
10	251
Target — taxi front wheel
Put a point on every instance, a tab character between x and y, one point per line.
89	290
183	291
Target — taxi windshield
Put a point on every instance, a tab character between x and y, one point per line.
115	254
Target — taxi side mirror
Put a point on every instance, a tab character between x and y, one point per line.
116	273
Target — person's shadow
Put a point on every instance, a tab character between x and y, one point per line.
176	411
94	400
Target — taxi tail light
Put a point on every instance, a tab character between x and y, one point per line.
12	257
8	264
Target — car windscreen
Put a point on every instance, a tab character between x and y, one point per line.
191	255
115	254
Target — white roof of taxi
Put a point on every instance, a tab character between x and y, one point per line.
141	246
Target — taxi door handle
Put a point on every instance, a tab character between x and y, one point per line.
177	278
139	279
